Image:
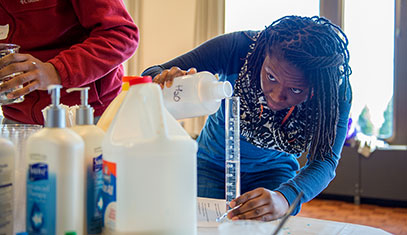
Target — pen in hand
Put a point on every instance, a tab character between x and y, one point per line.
225	215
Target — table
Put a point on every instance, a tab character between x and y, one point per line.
308	226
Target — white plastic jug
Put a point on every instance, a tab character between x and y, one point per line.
149	168
111	110
195	95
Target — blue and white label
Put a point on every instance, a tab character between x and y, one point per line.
41	200
94	212
38	171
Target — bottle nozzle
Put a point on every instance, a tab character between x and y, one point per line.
84	114
218	90
55	91
84	94
55	114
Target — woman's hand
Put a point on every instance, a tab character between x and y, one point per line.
259	204
167	76
32	73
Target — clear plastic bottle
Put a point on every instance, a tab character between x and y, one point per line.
7	154
149	168
55	177
195	95
93	137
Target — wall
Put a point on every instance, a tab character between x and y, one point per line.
166	31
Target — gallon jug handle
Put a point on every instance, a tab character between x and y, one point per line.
157	114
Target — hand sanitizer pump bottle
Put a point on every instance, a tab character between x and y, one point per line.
92	136
55	177
7	155
195	95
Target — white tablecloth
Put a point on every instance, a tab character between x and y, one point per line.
307	226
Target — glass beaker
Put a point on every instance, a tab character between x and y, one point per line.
18	134
6	49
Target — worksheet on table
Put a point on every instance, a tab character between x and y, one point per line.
209	210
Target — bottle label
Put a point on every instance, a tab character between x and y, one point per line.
41	200
94	202
177	94
109	194
6	199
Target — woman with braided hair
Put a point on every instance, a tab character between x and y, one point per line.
293	82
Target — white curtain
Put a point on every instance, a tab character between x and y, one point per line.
209	22
131	66
208	18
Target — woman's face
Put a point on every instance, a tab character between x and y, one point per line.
283	84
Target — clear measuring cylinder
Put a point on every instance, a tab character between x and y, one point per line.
232	149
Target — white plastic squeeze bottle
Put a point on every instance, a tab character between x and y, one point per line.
7	154
92	136
195	95
55	177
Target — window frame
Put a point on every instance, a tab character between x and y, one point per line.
334	11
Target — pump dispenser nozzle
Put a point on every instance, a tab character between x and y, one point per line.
55	114
84	114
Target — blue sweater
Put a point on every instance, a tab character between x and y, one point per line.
225	55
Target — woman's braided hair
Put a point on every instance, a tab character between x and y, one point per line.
319	49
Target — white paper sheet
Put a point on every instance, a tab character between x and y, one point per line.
208	210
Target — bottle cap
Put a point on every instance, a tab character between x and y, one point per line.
84	114
127	78
125	84
55	114
70	233
139	80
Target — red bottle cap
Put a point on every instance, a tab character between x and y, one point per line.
134	80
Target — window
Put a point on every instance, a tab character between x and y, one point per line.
257	14
371	47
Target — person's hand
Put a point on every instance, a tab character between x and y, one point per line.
167	76
33	74
259	204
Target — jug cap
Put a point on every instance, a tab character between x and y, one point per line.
139	80
125	83
127	78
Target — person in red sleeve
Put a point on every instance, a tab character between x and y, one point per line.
74	43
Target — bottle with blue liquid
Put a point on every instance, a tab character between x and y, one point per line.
55	176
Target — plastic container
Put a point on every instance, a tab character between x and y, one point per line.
6	49
195	95
149	168
55	177
18	135
111	110
7	154
93	137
